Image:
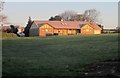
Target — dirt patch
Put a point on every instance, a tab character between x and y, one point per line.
105	69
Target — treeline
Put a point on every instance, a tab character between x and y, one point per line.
90	15
11	29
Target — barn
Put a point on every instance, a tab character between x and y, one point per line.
49	28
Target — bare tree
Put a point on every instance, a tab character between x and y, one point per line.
3	18
80	17
68	15
91	15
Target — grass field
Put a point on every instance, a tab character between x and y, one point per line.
56	56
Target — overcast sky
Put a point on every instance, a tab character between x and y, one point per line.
18	12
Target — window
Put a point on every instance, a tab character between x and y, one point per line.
46	30
87	30
45	26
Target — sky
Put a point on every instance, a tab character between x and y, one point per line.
18	12
61	0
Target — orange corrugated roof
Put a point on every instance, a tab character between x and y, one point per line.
66	24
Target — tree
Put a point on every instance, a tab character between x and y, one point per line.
80	17
3	18
27	28
56	18
68	15
51	18
91	15
13	29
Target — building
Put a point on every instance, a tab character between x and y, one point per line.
47	28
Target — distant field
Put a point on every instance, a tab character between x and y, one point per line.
56	56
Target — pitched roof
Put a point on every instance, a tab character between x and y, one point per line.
95	26
66	24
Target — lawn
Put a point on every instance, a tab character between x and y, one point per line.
57	55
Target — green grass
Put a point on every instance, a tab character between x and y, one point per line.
57	55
